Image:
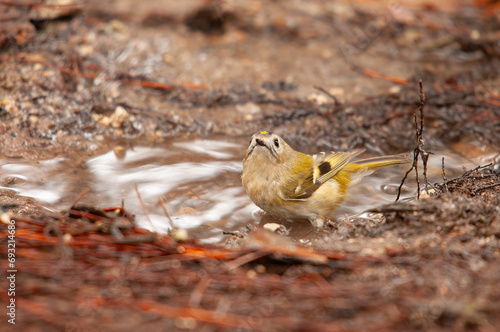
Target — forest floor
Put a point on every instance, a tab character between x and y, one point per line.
327	74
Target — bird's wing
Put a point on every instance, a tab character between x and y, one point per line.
323	170
327	169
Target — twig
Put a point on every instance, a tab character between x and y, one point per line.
419	149
335	101
493	101
376	74
162	204
486	187
372	73
445	180
144	209
88	215
469	172
246	259
416	152
79	197
199	289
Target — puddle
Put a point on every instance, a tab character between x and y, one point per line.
198	180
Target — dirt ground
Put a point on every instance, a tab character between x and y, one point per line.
75	76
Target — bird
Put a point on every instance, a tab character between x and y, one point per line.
292	185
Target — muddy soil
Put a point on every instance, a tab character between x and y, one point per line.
77	79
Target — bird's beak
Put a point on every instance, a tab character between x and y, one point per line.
260	142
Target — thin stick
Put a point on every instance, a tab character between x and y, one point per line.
79	197
425	154
486	187
199	289
416	153
162	204
419	149
144	209
376	74
445	180
335	101
246	259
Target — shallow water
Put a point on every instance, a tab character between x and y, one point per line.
199	181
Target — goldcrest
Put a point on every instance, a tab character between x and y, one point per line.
291	185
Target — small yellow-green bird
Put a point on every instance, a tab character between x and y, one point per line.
291	185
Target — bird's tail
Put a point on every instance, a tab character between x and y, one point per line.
358	169
384	161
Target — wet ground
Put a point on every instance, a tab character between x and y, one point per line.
152	106
198	181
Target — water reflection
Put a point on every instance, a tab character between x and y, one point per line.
198	180
40	181
190	203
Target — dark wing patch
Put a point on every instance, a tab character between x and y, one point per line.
324	168
324	171
337	161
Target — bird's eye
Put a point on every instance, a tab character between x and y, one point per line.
276	143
